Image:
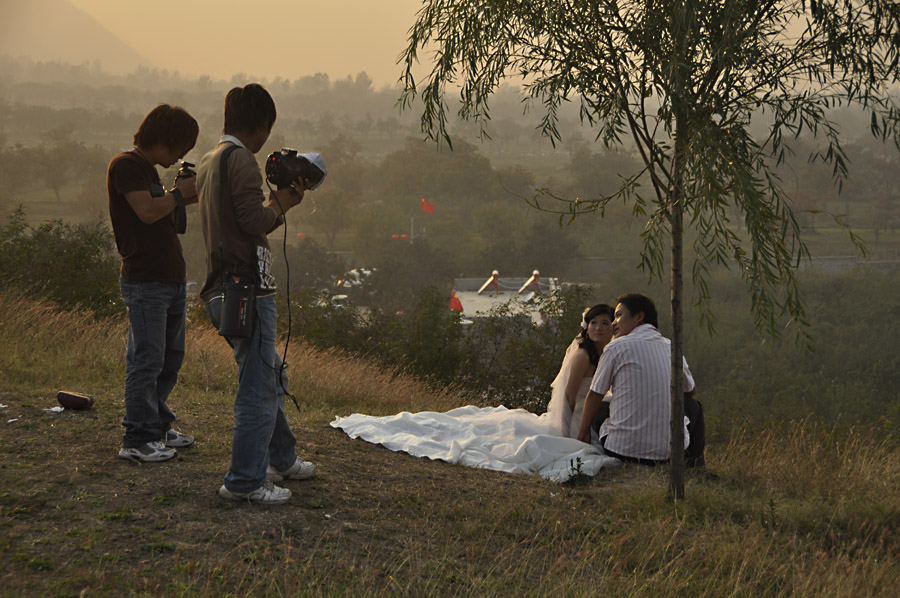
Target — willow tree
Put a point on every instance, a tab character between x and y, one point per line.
680	82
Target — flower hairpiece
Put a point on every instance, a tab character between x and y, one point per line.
584	324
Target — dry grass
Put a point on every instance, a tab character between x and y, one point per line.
799	511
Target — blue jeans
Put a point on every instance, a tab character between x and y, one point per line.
155	353
261	434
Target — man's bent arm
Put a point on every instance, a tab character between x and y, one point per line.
591	405
149	209
689	386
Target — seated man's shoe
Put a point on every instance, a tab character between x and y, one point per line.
267	494
175	439
695	462
300	470
152	451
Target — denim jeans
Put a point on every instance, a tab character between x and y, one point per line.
261	434
154	356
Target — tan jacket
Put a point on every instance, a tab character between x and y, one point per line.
237	243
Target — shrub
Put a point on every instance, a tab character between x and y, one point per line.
513	360
72	265
505	357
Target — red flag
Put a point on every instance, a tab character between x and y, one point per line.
455	303
426	206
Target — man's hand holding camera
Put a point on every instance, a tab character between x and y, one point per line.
292	174
282	200
188	188
184	193
186	183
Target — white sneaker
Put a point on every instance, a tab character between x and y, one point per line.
267	494
154	450
175	439
300	470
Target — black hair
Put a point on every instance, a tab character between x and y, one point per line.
585	341
248	109
168	126
638	302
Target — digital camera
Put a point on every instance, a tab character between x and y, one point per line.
186	171
286	166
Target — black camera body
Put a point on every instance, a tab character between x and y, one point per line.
286	166
186	171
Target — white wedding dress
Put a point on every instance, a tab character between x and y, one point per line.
497	438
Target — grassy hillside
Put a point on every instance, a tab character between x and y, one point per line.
797	508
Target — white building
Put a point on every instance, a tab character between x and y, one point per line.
478	296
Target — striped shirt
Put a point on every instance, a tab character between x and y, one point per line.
638	369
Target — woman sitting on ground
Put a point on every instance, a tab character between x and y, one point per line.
574	379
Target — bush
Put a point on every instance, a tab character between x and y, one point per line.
72	265
851	376
433	338
512	360
425	341
506	357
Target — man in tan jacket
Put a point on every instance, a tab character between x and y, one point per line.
236	218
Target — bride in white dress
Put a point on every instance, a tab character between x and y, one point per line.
574	379
510	440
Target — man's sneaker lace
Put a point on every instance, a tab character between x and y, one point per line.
152	451
267	494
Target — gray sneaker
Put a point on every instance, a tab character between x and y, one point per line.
152	451
267	494
175	439
300	470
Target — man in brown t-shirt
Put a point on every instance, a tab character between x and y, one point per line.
152	277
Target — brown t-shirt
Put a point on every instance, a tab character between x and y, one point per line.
150	252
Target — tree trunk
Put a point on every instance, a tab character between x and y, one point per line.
676	477
680	77
676	216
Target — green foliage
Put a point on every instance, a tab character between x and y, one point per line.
512	359
426	341
434	338
322	324
505	357
403	270
851	377
689	85
74	265
307	266
335	202
481	221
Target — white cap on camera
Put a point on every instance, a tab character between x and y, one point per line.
319	162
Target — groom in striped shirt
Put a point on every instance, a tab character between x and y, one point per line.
636	365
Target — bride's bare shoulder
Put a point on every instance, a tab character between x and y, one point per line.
581	359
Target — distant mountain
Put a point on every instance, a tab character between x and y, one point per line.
45	30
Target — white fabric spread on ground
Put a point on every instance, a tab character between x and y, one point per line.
497	438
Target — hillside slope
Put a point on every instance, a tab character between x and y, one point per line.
800	510
56	30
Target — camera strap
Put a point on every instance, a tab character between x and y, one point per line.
180	214
223	196
238	292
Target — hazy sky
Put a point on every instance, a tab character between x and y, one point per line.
286	38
